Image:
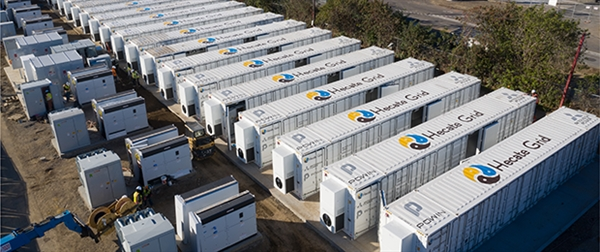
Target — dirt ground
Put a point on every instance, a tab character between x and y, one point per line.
52	182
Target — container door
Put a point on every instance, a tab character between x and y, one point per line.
434	109
316	58
489	136
350	72
99	186
66	135
388	88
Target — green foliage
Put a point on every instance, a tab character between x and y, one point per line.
586	94
300	10
266	5
520	48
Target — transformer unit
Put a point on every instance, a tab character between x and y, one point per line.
188	48
487	193
198	199
90	83
152	59
224	224
145	139
60	30
85	47
69	128
171	158
223	106
101	177
33	97
300	155
145	230
36	23
256	131
54	67
171	76
120	116
37	45
25	12
184	25
13	4
234	74
96	103
417	155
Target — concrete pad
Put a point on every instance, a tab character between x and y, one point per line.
551	216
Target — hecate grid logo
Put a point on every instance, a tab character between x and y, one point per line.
283	78
187	31
174	22
228	51
253	63
318	95
132	3
206	40
415	142
481	174
361	116
144	9
159	15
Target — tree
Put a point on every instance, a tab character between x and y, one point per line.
520	48
300	10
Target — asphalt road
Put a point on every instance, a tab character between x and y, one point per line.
446	18
15	207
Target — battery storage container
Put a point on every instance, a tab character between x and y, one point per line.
152	59
90	83
183	25
420	154
25	12
234	74
55	66
467	205
257	128
224	224
173	72
301	154
145	230
145	139
223	106
198	199
171	158
37	45
101	177
36	23
69	128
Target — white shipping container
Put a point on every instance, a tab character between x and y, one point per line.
173	72
282	116
301	154
241	72
201	33
224	105
184	25
417	155
461	209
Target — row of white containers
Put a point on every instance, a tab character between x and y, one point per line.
467	205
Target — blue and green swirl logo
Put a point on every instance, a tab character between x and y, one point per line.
187	31
159	15
253	63
228	51
318	95
283	78
206	40
361	116
174	22
144	9
415	142
482	174
131	3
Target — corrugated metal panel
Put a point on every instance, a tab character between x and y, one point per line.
228	39
126	9
187	23
305	74
493	188
351	168
154	18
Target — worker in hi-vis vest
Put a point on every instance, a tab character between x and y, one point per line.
49	104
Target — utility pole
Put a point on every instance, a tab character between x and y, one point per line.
564	94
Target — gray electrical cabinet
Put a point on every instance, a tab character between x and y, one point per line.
84	47
29	11
7	29
171	158
224	224
121	117
11	4
69	128
90	83
36	23
146	230
37	45
101	177
99	102
59	30
32	97
55	66
145	139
